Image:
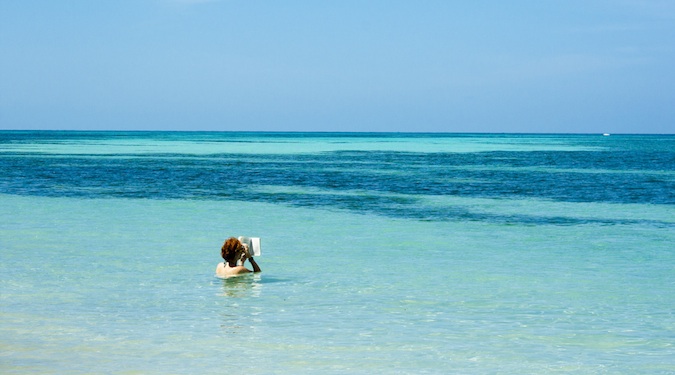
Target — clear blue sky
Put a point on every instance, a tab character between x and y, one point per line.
443	66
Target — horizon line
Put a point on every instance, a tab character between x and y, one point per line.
317	132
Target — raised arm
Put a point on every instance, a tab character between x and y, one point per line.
247	255
256	268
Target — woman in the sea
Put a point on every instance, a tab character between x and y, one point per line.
232	252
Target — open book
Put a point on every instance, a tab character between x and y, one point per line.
253	244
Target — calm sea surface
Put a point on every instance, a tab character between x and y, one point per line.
382	253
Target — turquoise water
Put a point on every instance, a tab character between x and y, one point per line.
382	253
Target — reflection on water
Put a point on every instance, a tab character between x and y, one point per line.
239	314
248	285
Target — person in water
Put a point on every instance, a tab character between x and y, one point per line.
232	252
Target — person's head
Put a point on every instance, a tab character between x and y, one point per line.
231	250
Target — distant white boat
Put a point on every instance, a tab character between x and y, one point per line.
605	134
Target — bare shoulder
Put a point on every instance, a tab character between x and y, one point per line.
238	270
223	270
220	270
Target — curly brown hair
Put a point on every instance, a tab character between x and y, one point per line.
230	248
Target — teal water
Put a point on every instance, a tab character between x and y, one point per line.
382	253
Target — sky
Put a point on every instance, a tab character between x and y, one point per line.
539	66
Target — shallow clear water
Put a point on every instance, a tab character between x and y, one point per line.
382	253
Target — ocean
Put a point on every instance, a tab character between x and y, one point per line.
382	253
